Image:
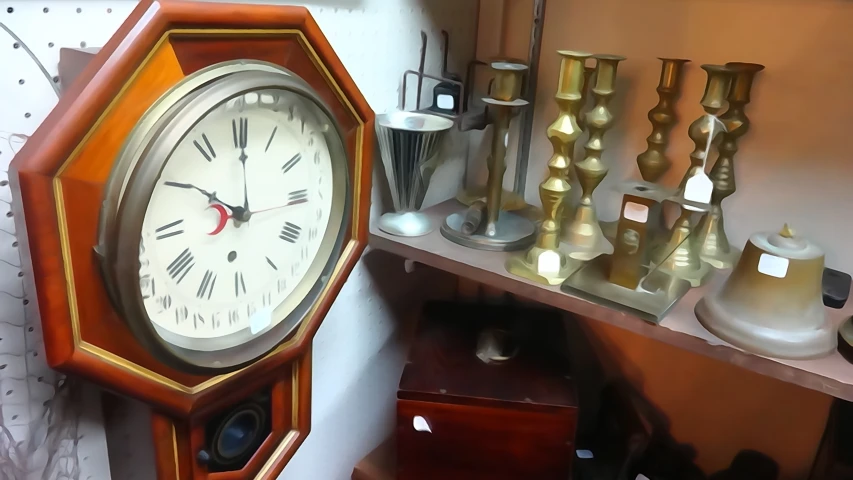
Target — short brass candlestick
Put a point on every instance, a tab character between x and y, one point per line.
679	257
654	162
583	237
714	246
704	130
495	229
544	262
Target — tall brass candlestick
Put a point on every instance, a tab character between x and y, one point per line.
506	89
679	256
544	262
583	236
714	246
705	129
653	162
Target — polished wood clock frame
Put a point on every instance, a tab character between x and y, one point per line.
60	176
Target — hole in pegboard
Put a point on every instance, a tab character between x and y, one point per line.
9	392
26	302
109	10
9	214
79	10
10	10
45	9
56	79
28	115
20	274
50	45
40	379
14	244
82	44
16	45
30	329
3	183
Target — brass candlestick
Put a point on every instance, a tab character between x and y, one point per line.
714	246
653	162
495	229
703	131
544	262
679	257
583	237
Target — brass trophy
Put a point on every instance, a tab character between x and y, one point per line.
582	237
654	162
483	225
714	247
679	256
772	303
544	262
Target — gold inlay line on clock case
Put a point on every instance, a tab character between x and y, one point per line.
123	363
294	421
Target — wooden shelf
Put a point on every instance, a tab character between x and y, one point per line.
831	375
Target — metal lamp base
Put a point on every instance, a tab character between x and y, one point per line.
512	232
405	224
541	265
651	301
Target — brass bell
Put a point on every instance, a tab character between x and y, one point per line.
772	304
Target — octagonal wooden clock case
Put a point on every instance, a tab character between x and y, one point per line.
191	208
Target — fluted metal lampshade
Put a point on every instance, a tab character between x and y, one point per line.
408	143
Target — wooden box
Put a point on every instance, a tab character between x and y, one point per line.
461	418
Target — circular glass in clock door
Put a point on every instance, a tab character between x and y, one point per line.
243	222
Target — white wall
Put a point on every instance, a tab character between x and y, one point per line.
358	351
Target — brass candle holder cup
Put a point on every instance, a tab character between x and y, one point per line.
484	225
582	237
714	246
544	262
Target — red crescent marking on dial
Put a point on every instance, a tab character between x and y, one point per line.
223	218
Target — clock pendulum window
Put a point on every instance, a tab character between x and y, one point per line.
218	164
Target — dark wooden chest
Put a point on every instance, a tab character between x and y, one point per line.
459	417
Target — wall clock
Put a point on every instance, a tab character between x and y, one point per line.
191	208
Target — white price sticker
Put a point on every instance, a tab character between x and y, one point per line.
260	320
445	102
636	212
773	265
698	188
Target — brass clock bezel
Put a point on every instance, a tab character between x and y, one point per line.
132	182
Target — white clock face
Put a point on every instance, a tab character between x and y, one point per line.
236	220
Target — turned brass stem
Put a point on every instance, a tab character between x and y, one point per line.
714	245
706	128
562	134
584	233
654	162
507	85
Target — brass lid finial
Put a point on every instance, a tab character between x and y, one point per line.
787	232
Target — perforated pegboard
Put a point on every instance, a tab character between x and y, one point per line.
376	40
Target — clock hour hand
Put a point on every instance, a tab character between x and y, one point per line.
211	197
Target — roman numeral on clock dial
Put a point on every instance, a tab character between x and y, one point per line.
297	196
240	129
206	286
239	284
181	265
290	232
205	148
291	163
169	230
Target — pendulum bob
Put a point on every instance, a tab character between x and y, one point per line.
704	131
544	262
654	162
679	257
583	238
714	246
409	142
498	230
771	304
626	280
